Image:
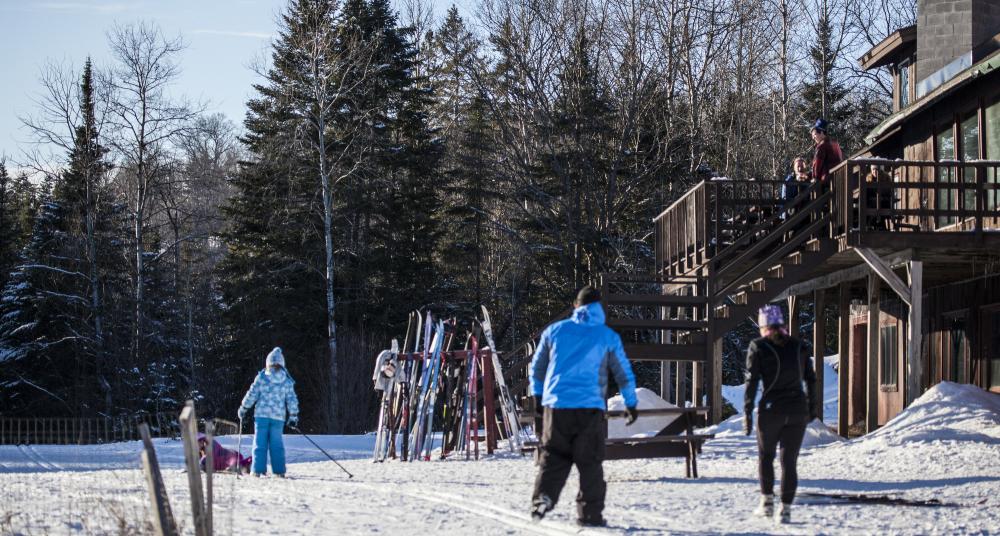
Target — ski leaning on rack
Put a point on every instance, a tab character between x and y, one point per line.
512	422
417	399
435	372
384	378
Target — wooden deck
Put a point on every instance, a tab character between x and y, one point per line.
725	248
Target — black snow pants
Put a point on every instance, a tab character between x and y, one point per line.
788	430
573	436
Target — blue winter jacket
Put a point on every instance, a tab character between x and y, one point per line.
273	394
570	366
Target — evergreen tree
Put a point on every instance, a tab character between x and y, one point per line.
17	204
272	278
52	314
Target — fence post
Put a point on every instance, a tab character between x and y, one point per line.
209	469
189	431
163	518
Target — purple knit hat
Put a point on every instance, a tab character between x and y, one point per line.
770	315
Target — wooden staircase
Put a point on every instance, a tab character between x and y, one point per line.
714	272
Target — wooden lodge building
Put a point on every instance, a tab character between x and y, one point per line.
901	246
907	233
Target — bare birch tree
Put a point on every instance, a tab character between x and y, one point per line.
334	66
145	120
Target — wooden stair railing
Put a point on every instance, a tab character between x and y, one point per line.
689	330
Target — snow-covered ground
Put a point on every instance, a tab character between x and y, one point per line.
946	447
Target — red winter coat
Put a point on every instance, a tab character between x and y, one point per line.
827	156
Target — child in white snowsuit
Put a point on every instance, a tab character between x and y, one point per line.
273	392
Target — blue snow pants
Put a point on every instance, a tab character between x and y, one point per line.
267	439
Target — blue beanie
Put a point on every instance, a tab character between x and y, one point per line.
821	125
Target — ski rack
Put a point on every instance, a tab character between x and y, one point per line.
488	396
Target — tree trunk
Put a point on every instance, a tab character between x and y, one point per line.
331	325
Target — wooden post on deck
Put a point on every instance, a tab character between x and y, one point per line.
793	316
843	358
914	331
819	345
874	312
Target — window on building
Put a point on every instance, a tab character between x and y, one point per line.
945	198
991	124
970	151
889	353
904	84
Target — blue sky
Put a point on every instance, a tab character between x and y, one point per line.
223	38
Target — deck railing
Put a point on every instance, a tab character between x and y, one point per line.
917	196
713	217
717	220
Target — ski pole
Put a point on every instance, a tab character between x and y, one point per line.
239	450
296	428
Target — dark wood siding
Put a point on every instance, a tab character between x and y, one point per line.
960	319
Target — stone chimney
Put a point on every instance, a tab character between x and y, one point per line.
951	33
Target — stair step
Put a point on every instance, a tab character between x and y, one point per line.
760	284
654	299
637	323
666	352
744	296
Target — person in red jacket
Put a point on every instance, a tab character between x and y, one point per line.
827	154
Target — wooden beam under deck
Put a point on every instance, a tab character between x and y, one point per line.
871	391
844	357
666	352
819	346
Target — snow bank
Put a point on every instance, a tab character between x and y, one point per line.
831	391
946	412
644	426
818	433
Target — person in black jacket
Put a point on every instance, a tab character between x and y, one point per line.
778	361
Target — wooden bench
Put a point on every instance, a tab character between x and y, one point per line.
676	440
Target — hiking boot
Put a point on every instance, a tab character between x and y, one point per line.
540	507
258	475
598	521
766	507
279	475
784	513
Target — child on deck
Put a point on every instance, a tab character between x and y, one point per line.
223	459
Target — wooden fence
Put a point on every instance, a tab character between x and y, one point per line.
84	431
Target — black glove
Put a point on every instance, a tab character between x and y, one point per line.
539	409
631	414
748	423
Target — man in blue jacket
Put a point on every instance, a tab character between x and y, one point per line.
569	379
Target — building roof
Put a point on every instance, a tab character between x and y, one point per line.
893	48
987	65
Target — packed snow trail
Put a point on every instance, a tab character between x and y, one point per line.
922	455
